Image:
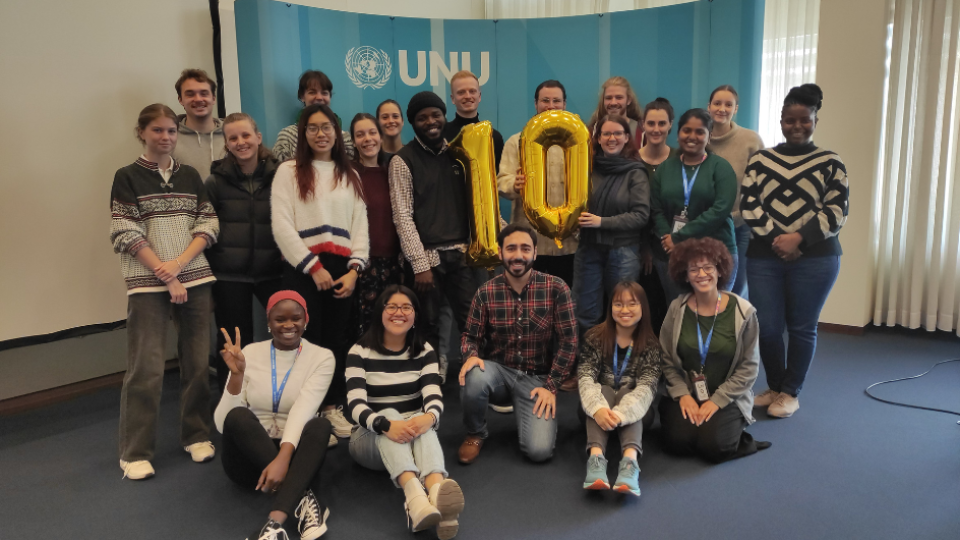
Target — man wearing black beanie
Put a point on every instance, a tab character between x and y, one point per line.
430	209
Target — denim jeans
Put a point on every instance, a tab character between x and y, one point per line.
791	295
673	290
422	456
499	384
597	270
739	285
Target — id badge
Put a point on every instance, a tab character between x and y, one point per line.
679	222
700	387
274	431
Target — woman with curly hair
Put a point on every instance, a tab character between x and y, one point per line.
712	358
619	369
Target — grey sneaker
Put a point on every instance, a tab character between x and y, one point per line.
765	398
628	479
784	406
596	473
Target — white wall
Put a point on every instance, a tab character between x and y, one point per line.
850	69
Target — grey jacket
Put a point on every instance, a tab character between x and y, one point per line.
620	195
738	388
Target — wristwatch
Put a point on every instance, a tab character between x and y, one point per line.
381	425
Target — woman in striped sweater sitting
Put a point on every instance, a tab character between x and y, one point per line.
319	221
393	393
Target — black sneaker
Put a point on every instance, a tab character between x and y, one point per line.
271	531
313	518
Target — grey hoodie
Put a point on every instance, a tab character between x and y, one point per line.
199	150
738	388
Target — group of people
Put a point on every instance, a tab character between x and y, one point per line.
645	310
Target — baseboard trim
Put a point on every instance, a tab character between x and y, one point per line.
42	398
831	328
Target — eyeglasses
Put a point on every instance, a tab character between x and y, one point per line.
708	269
610	134
391	309
555	101
327	129
620	306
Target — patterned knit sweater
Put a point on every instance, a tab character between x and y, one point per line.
641	375
333	221
286	145
795	189
166	216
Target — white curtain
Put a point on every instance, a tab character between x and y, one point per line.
918	206
790	30
524	9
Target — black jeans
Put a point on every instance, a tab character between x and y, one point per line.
452	279
246	450
330	319
233	308
722	438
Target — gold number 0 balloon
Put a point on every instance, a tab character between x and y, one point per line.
473	148
566	130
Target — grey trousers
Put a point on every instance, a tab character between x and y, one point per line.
147	317
631	435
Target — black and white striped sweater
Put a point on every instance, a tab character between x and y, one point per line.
790	189
378	381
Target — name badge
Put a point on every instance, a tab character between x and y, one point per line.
679	222
700	387
274	431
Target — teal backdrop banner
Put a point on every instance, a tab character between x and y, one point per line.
679	52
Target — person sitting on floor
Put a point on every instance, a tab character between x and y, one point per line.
393	394
516	321
273	440
712	358
619	369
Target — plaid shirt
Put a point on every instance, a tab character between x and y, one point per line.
517	330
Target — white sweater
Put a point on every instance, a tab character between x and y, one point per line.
301	398
333	221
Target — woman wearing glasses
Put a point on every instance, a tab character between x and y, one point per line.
320	224
712	358
692	196
618	208
393	385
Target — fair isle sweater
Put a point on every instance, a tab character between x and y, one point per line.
795	189
164	215
378	381
333	220
286	145
310	376
737	146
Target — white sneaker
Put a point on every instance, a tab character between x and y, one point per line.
341	426
201	452
137	470
784	406
333	441
765	398
313	521
444	364
502	409
447	497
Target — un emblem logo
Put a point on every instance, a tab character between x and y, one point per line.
368	67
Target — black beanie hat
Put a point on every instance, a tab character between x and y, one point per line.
423	100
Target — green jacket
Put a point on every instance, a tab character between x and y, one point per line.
711	200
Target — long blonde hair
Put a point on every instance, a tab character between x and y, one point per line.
633	108
262	151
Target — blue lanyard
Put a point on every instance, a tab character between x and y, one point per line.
277	393
705	346
688	184
617	369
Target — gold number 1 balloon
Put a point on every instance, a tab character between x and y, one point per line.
473	148
566	130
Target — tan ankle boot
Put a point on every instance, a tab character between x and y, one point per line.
421	514
447	497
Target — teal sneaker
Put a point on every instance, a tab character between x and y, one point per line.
628	479
596	473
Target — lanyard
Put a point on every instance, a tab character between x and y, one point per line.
688	184
277	393
617	369
705	346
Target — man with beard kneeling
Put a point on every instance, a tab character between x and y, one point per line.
513	321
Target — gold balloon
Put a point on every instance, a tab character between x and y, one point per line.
473	148
547	129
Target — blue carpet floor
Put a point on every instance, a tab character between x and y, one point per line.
844	466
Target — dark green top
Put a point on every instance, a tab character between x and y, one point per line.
722	347
711	200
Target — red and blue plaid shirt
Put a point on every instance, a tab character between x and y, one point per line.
517	330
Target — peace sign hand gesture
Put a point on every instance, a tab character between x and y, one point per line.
232	355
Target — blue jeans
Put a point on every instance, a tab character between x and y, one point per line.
422	456
498	384
739	285
597	270
673	290
791	295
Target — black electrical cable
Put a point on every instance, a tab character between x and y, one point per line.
897	403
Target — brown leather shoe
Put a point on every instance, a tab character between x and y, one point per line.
470	449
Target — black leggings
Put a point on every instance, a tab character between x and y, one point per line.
722	438
247	450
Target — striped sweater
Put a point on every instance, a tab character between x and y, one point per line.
795	189
391	381
164	215
333	221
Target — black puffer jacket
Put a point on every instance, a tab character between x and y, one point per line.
246	249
